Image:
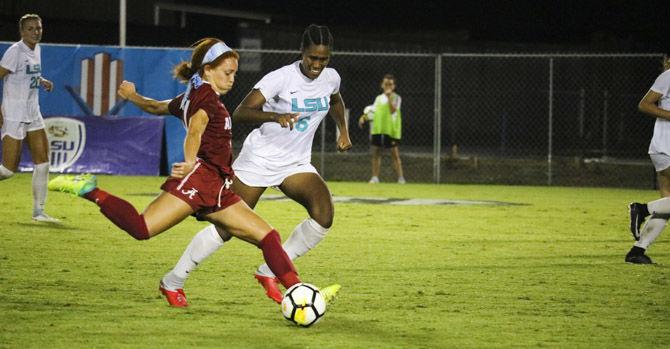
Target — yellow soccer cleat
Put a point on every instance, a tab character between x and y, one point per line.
77	185
330	292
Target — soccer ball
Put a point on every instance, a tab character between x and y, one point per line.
369	112
303	305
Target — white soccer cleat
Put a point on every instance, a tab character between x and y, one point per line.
43	217
374	180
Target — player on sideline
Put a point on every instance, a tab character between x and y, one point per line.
655	103
290	102
386	129
20	118
200	185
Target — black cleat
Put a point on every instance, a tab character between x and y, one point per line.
637	215
639	259
636	256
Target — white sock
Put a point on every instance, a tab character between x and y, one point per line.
304	237
204	243
5	173
651	230
659	206
40	180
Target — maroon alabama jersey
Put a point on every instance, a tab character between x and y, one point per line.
215	146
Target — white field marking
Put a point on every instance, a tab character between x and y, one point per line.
401	201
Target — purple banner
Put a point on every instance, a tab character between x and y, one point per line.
125	146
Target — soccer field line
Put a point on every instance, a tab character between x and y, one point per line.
389	201
402	201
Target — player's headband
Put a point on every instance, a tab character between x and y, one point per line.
195	81
214	52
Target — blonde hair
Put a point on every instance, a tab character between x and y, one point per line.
28	17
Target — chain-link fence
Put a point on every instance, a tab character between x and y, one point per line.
490	118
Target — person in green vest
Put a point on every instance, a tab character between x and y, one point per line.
385	128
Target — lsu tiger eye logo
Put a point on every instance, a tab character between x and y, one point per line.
67	140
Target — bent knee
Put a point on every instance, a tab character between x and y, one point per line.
225	235
325	220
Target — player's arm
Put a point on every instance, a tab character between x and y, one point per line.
46	84
337	113
394	100
196	127
3	73
362	120
127	91
251	110
649	106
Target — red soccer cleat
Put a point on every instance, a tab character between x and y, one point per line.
271	286
175	298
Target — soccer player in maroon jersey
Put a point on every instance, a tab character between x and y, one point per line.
200	185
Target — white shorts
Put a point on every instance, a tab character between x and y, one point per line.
19	129
253	178
661	161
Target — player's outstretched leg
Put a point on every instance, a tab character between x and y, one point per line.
117	210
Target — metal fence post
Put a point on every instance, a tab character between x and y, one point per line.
323	147
606	97
551	119
437	129
582	141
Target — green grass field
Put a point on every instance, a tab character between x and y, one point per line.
549	273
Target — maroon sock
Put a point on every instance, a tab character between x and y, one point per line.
278	260
96	195
121	213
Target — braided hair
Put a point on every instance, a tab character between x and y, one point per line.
316	35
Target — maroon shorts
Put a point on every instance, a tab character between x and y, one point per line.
203	189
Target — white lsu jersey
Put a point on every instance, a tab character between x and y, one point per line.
271	148
20	93
660	142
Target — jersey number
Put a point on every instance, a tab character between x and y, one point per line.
34	82
302	124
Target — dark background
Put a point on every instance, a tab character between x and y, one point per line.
391	25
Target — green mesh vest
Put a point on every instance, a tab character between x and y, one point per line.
384	122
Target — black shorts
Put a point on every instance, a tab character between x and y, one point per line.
384	141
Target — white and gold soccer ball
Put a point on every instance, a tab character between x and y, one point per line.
303	304
369	112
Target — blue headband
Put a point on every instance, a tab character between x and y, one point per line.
195	81
214	52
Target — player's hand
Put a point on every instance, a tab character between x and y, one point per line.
287	120
343	143
126	89
181	169
361	121
46	84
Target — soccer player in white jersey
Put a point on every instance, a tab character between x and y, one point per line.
21	71
656	103
290	102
